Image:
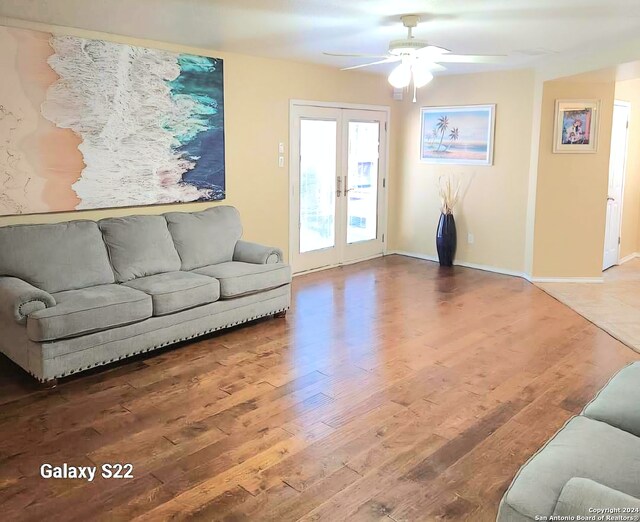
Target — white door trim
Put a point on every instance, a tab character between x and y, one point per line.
341	105
293	218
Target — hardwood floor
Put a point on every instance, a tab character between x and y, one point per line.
393	390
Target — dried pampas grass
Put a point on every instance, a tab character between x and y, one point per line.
449	188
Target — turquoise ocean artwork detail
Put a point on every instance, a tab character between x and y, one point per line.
202	139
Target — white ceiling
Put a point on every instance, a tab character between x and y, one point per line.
524	30
619	73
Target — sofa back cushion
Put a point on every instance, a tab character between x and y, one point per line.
207	237
55	257
139	246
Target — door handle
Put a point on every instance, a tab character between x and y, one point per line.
611	199
338	186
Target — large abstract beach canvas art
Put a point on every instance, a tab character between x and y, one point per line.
457	135
88	124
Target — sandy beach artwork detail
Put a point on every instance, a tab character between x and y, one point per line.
457	135
87	124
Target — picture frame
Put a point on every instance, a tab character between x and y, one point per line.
576	126
458	135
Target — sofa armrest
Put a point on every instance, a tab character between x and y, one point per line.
580	496
248	252
18	298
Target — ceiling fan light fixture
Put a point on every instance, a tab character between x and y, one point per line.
421	76
419	58
400	77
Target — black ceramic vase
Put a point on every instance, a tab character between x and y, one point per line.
446	239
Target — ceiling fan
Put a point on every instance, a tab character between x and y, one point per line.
418	59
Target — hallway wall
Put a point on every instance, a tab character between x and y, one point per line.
572	190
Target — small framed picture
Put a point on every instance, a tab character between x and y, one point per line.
576	126
460	135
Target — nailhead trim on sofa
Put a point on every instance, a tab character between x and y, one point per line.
229	325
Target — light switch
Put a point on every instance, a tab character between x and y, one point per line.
281	149
280	161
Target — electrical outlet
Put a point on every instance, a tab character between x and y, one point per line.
281	148
470	238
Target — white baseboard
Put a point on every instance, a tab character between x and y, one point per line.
497	270
567	279
486	268
426	257
327	267
629	258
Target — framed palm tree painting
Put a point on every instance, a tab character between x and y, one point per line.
461	135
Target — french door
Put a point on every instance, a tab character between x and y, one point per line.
338	183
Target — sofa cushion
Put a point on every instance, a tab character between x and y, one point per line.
238	278
580	496
55	257
92	309
618	403
139	246
205	238
583	448
175	291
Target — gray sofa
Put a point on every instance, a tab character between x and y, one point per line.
81	294
593	462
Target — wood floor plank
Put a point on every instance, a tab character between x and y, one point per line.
193	499
328	454
393	390
342	505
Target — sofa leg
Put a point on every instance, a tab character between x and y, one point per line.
47	385
280	315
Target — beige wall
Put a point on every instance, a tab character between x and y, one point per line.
569	221
629	91
494	206
257	94
571	190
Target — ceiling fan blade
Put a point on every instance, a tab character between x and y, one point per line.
433	67
470	58
432	50
389	59
355	55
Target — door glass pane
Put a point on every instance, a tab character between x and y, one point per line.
362	205
317	184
